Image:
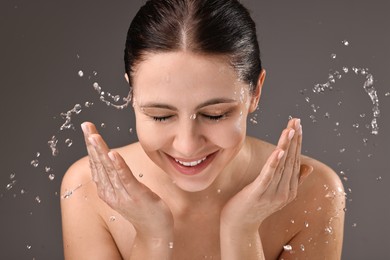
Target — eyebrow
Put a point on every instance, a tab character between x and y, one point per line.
210	102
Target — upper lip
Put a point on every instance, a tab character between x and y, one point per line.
191	160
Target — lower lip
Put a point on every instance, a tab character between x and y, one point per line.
192	170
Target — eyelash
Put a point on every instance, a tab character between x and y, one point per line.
212	118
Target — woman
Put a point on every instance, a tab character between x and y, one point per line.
195	186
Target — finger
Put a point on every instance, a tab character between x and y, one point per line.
262	182
123	175
88	129
101	161
305	171
292	163
283	144
294	182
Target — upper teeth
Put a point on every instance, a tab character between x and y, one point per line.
194	163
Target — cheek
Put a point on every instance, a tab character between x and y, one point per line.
147	136
229	134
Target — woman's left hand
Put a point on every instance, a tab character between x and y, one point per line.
274	188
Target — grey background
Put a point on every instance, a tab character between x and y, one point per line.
45	43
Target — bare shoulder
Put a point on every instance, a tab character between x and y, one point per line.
91	229
313	223
319	212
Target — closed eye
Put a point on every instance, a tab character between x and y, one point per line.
215	118
161	118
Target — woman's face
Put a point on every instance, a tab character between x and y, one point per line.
191	115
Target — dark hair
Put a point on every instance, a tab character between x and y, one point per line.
216	27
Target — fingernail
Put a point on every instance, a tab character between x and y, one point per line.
291	134
84	127
297	123
112	156
280	155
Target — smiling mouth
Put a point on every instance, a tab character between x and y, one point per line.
191	164
194	167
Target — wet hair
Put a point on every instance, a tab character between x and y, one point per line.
207	27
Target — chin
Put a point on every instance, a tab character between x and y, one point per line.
189	186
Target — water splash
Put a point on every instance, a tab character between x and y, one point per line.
53	145
368	86
68	117
108	98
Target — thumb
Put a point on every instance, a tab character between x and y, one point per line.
305	171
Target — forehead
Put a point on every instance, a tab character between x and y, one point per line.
176	71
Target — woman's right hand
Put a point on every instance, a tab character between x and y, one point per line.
117	187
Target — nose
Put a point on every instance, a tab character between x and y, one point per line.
188	140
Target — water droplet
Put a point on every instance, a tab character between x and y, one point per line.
287	248
97	87
112	218
329	230
387	94
88	104
38	199
219	191
81	73
12	175
333	56
77	109
193	116
345	69
35	163
170	245
292	221
141	175
331	194
38	154
345	42
306	224
29	247
47	169
302	247
10	185
69	193
103	125
116	98
94	73
379	178
327	115
118	128
342	150
354	225
68	142
51	176
131	130
319	208
356	125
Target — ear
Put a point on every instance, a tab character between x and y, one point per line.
127	77
255	97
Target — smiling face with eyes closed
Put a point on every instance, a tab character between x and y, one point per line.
191	113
